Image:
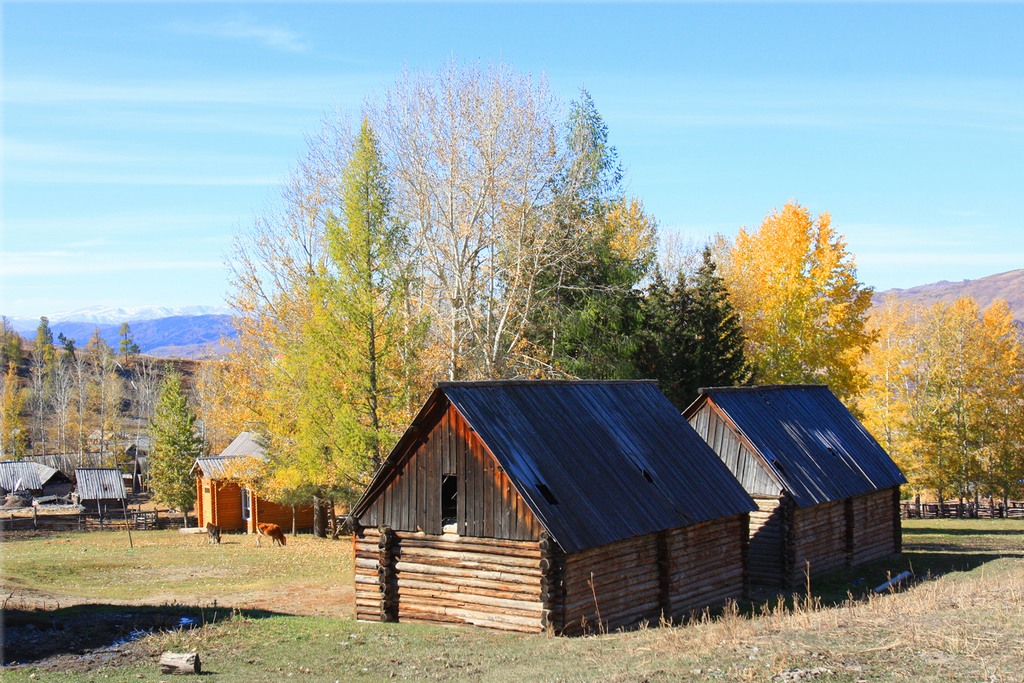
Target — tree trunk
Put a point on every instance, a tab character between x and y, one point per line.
319	518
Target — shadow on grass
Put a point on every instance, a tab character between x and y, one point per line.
31	635
924	560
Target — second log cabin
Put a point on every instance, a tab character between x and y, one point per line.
549	505
828	495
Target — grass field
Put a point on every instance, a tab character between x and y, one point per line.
964	623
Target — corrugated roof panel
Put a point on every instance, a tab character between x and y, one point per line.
599	461
100	484
19	474
245	444
819	450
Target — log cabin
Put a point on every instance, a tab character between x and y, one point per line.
226	502
548	505
827	493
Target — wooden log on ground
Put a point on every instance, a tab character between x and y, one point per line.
180	663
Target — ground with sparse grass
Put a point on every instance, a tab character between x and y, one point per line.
282	613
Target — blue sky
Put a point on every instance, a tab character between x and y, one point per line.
138	136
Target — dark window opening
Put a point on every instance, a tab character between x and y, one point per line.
449	499
546	492
647	476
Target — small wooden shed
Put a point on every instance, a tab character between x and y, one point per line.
533	505
100	489
827	493
20	475
225	502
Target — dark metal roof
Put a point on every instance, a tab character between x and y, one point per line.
597	462
19	474
815	447
101	483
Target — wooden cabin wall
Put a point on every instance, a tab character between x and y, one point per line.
488	504
612	585
226	508
769	526
202	506
266	512
452	579
707	564
876	525
671	573
819	537
741	461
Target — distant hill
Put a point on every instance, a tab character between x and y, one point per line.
985	290
178	336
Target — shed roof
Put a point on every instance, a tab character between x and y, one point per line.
595	461
100	483
245	445
19	474
810	441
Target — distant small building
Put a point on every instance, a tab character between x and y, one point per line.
100	489
828	494
222	500
20	475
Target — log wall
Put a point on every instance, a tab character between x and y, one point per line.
876	525
451	579
671	574
769	564
530	586
820	538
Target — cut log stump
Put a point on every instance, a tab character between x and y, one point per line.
180	663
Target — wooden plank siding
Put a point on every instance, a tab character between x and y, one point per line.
221	504
732	448
488	505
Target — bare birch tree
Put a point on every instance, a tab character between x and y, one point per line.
474	153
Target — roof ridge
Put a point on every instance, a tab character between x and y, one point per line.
539	382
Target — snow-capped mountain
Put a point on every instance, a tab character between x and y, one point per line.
110	315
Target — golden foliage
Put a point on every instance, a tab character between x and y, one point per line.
795	287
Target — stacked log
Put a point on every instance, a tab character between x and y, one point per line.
876	526
767	542
452	579
612	585
819	534
552	584
707	564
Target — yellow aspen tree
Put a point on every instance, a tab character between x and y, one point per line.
999	418
802	308
891	383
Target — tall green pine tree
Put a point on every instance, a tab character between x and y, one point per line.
176	445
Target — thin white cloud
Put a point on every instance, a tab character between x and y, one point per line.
243	29
65	263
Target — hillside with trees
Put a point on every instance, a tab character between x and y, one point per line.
1008	286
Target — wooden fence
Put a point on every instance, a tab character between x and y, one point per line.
30	520
982	509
